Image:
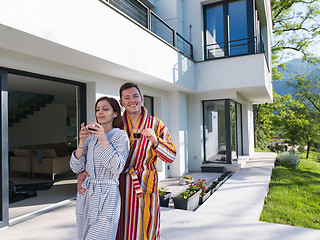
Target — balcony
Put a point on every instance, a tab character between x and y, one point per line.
142	15
234	48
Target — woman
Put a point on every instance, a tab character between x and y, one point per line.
102	152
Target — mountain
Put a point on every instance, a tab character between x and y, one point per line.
294	66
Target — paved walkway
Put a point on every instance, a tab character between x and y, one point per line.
231	213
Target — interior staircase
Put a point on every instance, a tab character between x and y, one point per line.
24	108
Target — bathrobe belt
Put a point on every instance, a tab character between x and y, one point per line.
94	187
136	184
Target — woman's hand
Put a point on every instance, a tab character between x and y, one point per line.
84	133
95	129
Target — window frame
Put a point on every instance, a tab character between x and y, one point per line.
250	9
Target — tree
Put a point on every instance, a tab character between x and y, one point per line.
307	91
296	27
286	117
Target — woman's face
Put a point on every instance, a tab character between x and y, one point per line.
105	113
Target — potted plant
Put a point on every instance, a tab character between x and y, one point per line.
185	180
164	196
202	186
188	200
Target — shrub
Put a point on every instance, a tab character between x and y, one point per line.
301	148
288	159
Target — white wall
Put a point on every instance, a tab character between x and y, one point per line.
171	11
179	132
195	132
193	17
248	75
50	127
92	42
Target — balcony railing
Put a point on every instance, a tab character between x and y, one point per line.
235	48
148	19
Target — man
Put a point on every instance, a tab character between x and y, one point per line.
138	183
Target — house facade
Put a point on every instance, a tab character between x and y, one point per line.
201	65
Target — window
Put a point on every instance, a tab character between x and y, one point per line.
227	29
148	103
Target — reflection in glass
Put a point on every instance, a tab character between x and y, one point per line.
215	131
215	32
233	131
238	28
239	129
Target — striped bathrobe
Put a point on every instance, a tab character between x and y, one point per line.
138	183
98	209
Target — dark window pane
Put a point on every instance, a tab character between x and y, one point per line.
148	103
238	28
214	32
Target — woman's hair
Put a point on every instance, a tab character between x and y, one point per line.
117	121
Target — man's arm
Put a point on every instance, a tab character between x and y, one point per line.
165	149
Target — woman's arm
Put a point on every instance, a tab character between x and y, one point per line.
115	155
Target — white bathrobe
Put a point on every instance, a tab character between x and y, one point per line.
98	210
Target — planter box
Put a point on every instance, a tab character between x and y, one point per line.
187	203
224	177
203	198
164	199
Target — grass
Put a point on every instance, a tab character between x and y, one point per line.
294	195
261	150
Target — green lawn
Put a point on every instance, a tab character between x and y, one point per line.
294	195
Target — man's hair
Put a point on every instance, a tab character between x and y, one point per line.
127	86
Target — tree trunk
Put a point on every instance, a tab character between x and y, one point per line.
308	146
255	129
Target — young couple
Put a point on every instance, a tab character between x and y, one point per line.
117	176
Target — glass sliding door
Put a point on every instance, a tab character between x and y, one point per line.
214	130
4	168
222	126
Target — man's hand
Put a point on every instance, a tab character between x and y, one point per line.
81	177
149	134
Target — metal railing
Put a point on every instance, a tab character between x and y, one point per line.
148	19
234	48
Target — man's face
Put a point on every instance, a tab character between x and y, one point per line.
131	100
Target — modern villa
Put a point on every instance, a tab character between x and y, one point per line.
201	66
